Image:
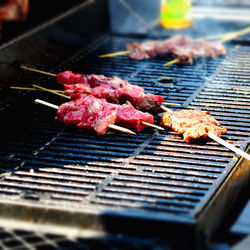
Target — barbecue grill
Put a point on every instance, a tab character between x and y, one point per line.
118	187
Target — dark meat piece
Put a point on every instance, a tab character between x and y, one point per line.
106	82
193	124
129	117
137	51
114	90
91	114
182	47
68	78
88	114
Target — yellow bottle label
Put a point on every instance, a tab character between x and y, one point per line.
176	13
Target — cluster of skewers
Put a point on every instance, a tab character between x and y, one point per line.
98	103
182	48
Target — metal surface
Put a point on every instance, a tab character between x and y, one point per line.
55	175
151	184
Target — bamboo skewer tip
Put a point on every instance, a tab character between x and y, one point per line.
34	89
122	129
51	91
152	125
165	109
118	53
37	70
171	62
171	103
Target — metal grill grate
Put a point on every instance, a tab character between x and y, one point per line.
154	174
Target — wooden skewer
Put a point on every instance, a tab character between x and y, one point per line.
165	108
118	53
33	89
219	140
171	62
229	146
234	35
170	103
38	101
121	129
225	34
38	71
152	125
51	91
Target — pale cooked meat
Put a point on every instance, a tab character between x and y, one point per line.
193	124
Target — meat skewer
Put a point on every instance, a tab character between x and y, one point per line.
34	89
226	36
196	125
38	88
126	108
114	90
98	130
183	48
89	113
218	48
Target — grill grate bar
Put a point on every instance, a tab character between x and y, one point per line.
49	180
177	194
140	205
44	189
146	200
169	181
177	159
169	176
83	177
159	187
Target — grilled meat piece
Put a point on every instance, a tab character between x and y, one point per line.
183	48
193	124
114	90
88	114
131	118
200	131
91	114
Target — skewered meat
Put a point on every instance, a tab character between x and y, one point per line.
193	124
91	114
114	90
14	10
183	48
87	114
131	118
